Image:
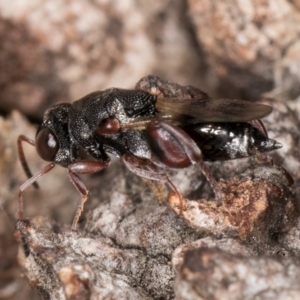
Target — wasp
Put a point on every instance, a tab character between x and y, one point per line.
156	126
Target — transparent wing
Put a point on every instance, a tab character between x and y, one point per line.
213	110
191	111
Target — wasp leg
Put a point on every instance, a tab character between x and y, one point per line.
136	165
28	183
165	89
171	145
265	158
23	138
212	181
158	189
174	148
258	124
83	167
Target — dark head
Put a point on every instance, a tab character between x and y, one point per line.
52	138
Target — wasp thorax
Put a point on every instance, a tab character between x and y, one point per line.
46	144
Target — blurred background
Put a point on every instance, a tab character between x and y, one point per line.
55	50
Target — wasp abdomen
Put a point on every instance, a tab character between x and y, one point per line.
225	141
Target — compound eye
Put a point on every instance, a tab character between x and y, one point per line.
46	144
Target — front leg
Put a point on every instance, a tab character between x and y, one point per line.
83	167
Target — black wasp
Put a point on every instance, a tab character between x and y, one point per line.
155	126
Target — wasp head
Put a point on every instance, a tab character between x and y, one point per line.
52	138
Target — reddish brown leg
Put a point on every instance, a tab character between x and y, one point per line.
23	138
213	183
136	165
83	167
158	189
28	183
258	124
173	147
265	158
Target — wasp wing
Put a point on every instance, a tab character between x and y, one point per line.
212	110
191	111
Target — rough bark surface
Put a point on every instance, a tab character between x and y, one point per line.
128	246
